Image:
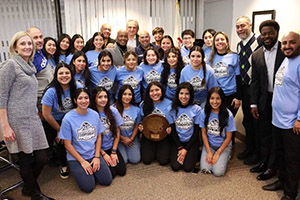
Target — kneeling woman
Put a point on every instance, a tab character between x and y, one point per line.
81	131
129	145
185	129
155	103
217	125
112	121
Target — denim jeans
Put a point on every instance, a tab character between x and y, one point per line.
131	154
219	168
87	182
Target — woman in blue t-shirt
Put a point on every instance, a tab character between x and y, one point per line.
151	66
63	47
81	70
57	100
185	129
207	37
95	48
81	131
112	121
131	74
77	43
49	50
129	145
155	103
199	74
217	125
170	75
225	64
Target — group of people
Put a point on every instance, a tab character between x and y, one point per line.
86	102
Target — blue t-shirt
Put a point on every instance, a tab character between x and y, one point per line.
131	117
171	84
213	130
207	51
163	108
62	57
52	64
226	68
286	96
39	61
82	130
185	55
194	77
92	57
184	121
79	77
107	136
151	73
132	78
104	79
69	58
50	99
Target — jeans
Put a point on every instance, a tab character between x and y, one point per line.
219	168
87	182
131	154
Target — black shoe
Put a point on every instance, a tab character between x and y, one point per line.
40	196
252	160
287	197
277	185
269	173
245	154
27	193
261	167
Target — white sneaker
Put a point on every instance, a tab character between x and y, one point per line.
64	172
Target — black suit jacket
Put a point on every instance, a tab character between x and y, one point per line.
259	84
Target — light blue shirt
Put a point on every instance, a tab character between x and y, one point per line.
92	57
163	108
131	117
69	58
151	73
83	131
171	84
286	96
107	136
184	120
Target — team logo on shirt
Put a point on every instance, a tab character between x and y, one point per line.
279	76
106	124
152	76
184	122
86	131
158	111
95	63
220	70
81	82
196	83
66	105
131	81
128	123
186	59
172	80
106	83
213	127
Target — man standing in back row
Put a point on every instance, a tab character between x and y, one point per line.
248	44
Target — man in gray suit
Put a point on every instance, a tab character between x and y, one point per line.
120	48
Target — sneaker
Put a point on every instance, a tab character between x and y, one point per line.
64	172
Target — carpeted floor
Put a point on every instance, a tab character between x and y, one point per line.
155	182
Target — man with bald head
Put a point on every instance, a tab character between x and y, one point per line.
286	117
106	30
144	39
120	48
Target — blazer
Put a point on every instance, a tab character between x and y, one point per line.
117	55
259	83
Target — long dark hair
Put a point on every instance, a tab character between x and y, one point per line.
199	49
166	71
90	43
119	103
223	112
59	91
59	40
160	50
103	54
148	105
86	72
107	110
74	38
79	91
46	54
176	102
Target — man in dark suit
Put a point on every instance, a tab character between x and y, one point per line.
265	63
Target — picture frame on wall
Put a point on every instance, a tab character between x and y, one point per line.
259	16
